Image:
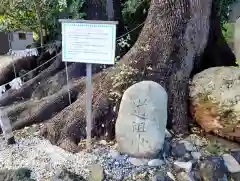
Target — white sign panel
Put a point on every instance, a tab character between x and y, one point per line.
88	42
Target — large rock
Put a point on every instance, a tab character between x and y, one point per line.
215	101
142	119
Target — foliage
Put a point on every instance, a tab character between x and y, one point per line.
228	32
224	8
24	15
126	77
214	148
135	12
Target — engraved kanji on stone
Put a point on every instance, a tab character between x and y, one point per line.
140	108
139	127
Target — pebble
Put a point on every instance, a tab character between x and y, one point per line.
187	166
189	146
187	157
179	150
231	164
138	161
196	155
43	159
196	140
103	142
114	153
155	163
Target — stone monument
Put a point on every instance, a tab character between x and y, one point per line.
142	118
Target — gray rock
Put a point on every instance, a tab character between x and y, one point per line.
138	161
196	155
155	163
213	168
179	150
189	146
142	119
196	140
187	157
163	176
231	164
220	84
186	166
103	142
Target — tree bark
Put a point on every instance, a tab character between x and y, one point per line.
175	33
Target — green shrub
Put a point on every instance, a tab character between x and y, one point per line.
228	32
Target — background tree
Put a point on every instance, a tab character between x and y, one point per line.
40	17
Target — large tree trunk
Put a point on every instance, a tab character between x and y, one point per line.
175	34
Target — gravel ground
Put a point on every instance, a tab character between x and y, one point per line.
46	160
39	155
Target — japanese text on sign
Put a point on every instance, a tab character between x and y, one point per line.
89	43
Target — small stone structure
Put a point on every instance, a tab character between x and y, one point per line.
142	119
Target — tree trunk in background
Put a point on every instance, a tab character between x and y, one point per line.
175	33
217	52
105	10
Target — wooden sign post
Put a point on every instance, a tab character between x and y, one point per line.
90	42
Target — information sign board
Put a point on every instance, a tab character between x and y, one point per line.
92	42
